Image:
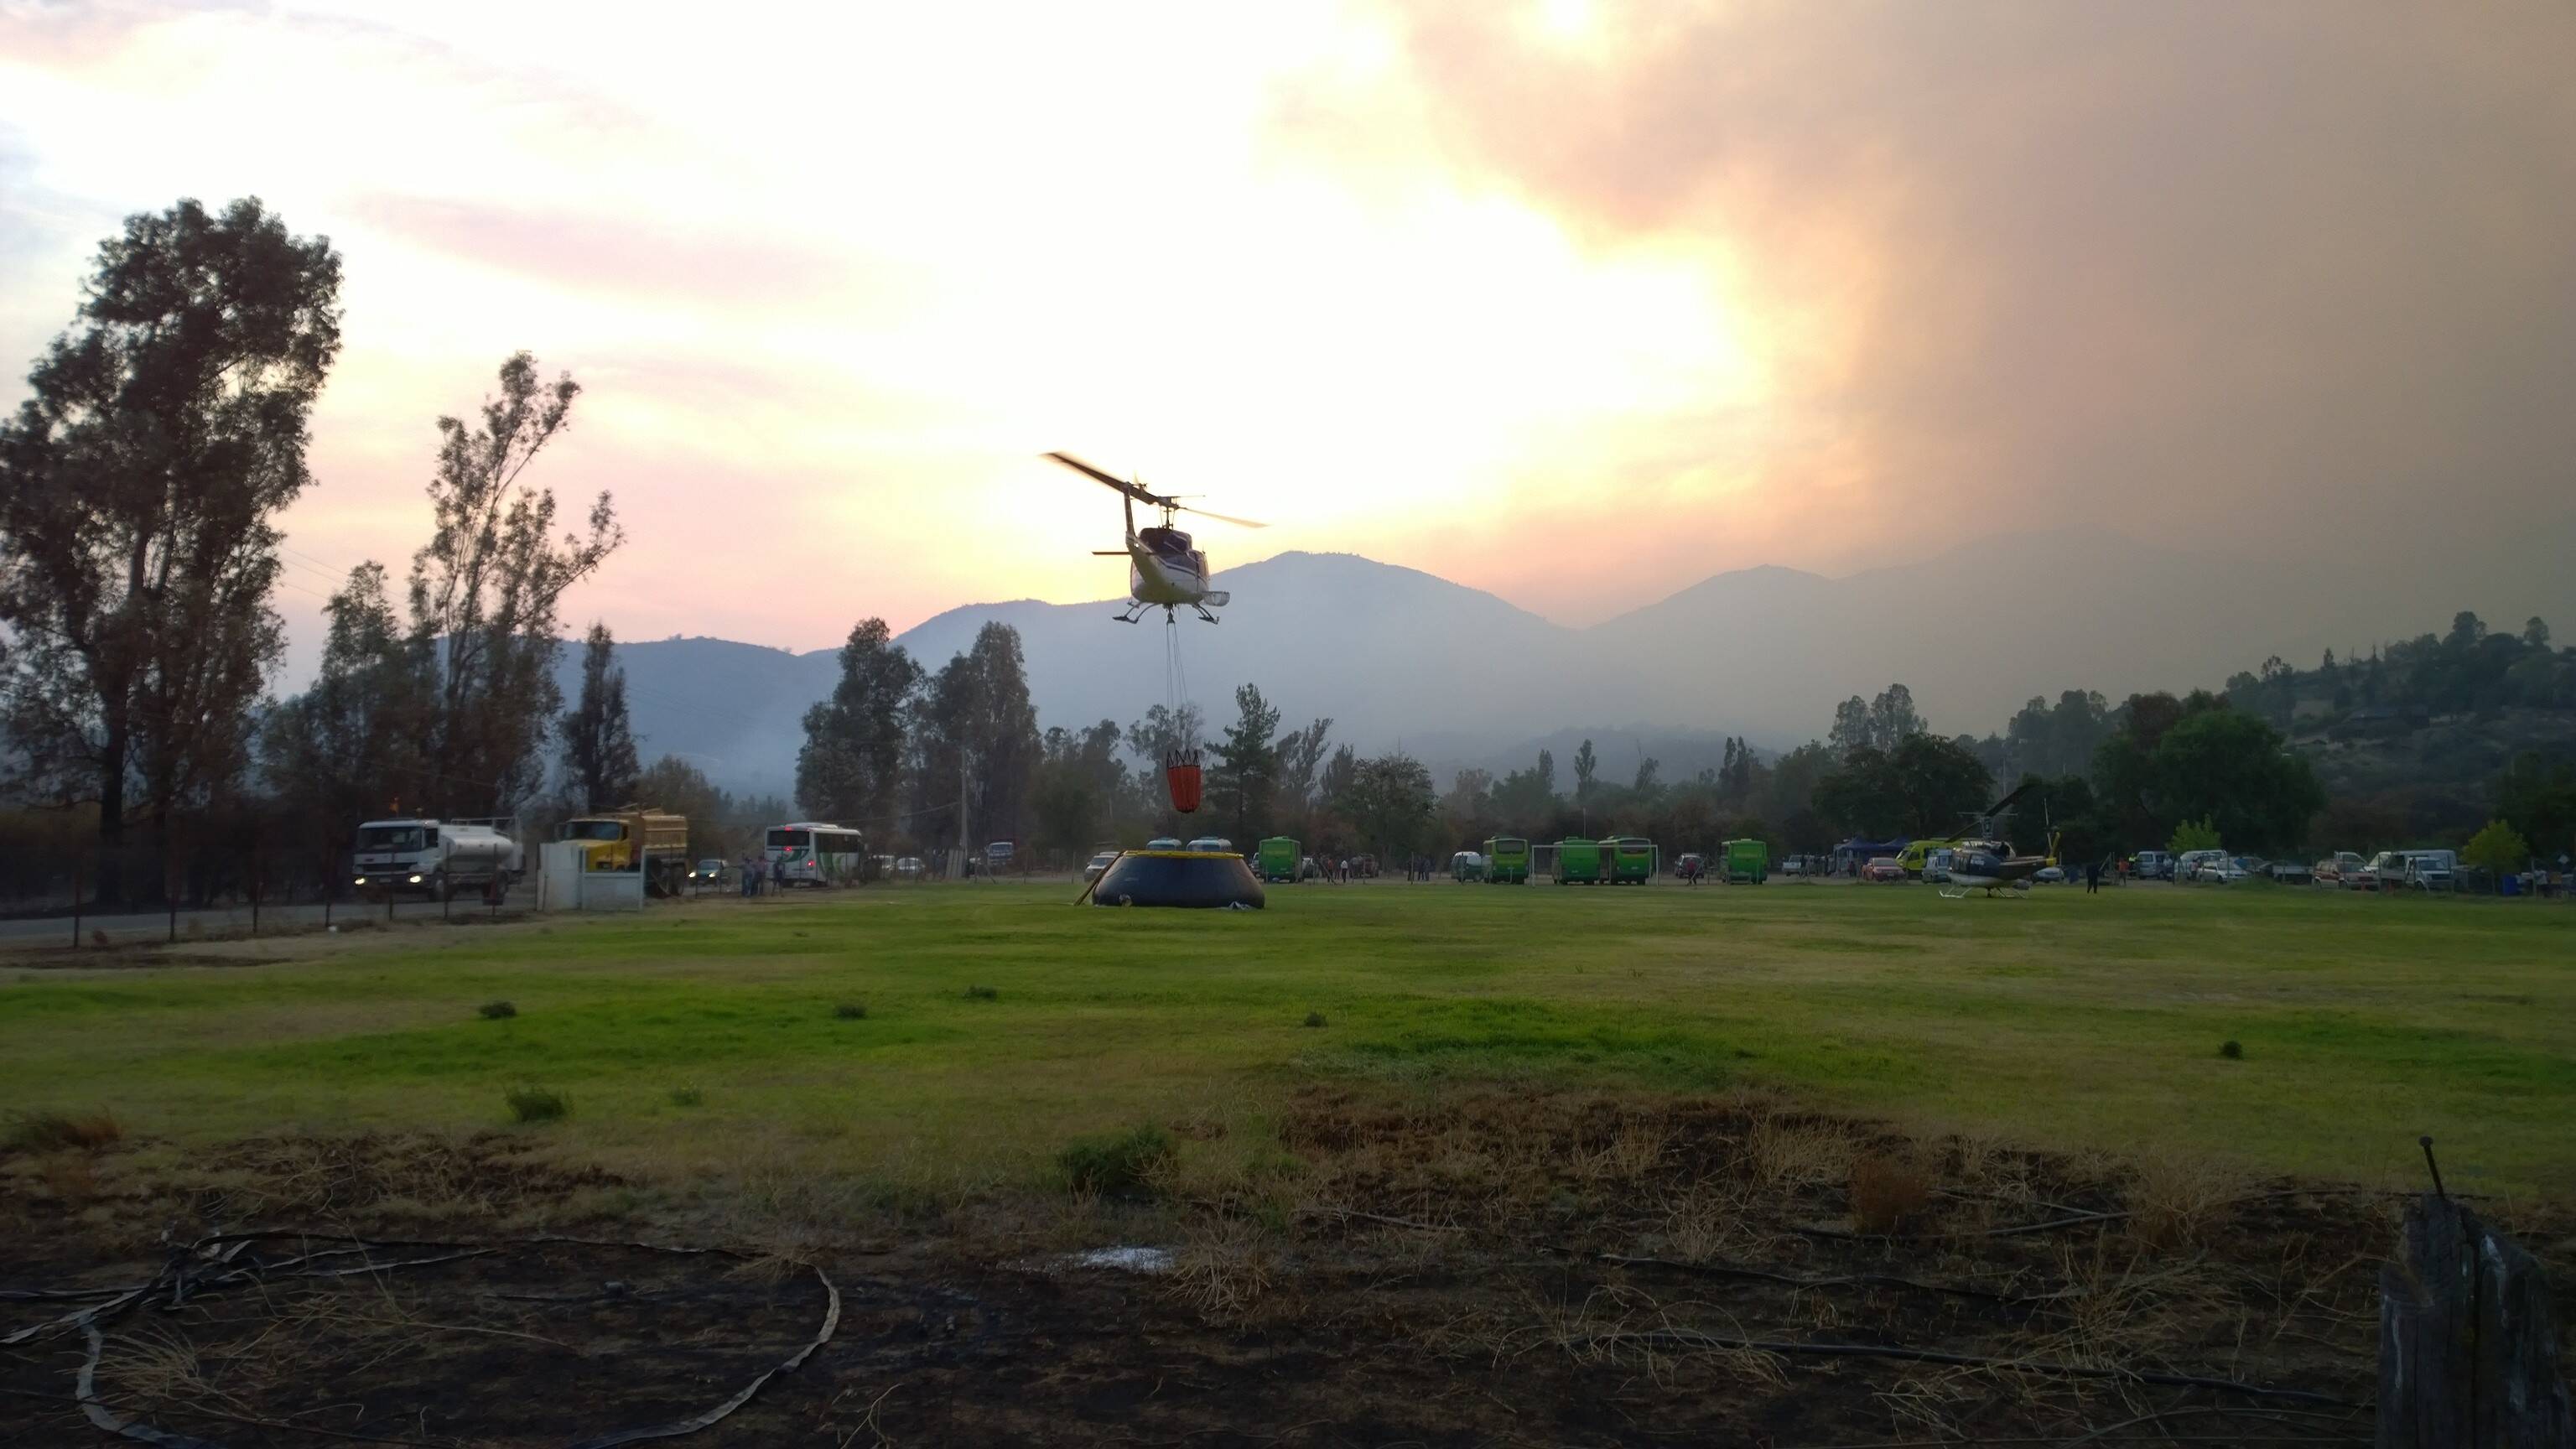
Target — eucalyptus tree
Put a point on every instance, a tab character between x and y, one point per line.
139	486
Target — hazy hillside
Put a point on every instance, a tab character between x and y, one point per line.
1461	677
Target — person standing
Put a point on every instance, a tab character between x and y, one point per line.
778	875
2092	877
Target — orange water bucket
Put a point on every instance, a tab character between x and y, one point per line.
1181	774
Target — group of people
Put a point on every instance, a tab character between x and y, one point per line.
752	875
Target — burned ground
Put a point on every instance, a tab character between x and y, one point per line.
1453	1267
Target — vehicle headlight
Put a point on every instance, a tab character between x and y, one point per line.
362	880
415	880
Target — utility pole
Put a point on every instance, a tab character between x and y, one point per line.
962	856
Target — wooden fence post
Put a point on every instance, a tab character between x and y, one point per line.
2468	1345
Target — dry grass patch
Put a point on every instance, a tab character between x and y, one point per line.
2175	1199
1787	1153
1888	1190
1224	1265
63	1131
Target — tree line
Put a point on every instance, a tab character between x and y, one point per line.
140	485
898	750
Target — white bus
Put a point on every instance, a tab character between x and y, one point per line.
815	853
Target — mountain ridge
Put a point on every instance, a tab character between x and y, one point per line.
1466	677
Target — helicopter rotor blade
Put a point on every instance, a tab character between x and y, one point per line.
1223	517
1132	490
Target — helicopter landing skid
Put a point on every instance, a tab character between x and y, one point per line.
1134	613
1203	612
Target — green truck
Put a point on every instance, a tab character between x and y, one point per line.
1578	862
1506	861
1631	859
1748	862
1277	859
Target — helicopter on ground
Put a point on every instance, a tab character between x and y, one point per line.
1163	570
1980	861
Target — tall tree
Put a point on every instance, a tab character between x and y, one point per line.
137	491
484	592
1924	788
2199	759
1246	776
347	748
599	760
1893	717
1851	728
1163	730
673	784
1587	768
976	718
851	766
2538	798
1389	801
1524	799
1335	781
1301	753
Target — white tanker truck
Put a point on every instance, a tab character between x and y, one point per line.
437	858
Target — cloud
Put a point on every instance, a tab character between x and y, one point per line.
2272	277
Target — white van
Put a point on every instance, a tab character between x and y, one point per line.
2425	870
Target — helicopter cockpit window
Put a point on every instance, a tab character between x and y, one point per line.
1169	542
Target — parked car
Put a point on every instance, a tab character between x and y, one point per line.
1213	844
1307	869
2289	872
1688	865
2342	869
2212	869
1100	862
709	871
1794	865
908	868
1882	868
2155	865
2186	866
1163	842
2046	874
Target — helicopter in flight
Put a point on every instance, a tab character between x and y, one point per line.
1980	861
1163	570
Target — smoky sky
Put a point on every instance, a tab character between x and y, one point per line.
2294	277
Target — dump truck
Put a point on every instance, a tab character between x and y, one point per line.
652	841
437	858
1748	862
1578	862
1506	860
1277	858
1629	859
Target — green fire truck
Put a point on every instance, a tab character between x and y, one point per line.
1748	862
1506	860
1578	862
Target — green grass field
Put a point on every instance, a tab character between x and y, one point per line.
2061	1021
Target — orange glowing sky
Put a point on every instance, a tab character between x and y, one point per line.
1575	302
